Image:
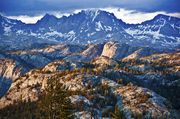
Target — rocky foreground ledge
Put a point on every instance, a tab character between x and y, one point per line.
95	92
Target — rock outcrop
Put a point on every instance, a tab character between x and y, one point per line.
103	60
140	102
111	49
9	69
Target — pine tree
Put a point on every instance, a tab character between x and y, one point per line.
55	103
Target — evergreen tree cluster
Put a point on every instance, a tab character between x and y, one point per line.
54	103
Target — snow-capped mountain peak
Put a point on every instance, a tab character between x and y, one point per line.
48	16
162	30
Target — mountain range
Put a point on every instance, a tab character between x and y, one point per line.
90	26
109	68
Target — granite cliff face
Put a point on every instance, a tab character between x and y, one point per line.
9	69
116	50
110	50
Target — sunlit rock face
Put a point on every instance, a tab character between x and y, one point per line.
102	60
116	50
110	49
9	71
142	102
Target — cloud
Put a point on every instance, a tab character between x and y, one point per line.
134	17
26	19
33	19
128	16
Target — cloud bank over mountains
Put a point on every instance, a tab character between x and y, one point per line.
130	11
128	16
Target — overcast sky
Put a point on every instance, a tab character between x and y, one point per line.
131	11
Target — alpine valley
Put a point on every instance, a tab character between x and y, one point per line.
109	69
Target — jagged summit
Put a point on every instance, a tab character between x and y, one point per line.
161	30
95	12
163	17
91	11
99	13
159	16
47	18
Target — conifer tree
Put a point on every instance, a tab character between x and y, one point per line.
55	102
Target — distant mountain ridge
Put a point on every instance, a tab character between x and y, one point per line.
91	26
